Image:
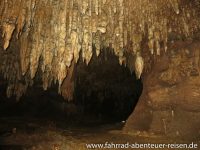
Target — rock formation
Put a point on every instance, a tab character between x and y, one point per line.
41	38
170	100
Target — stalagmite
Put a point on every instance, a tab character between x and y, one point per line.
50	35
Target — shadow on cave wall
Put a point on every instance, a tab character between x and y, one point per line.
104	92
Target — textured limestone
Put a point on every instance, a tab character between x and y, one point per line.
48	35
170	102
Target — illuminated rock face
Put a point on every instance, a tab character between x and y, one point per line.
42	38
170	100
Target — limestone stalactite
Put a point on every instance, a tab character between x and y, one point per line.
51	34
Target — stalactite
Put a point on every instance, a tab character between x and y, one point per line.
67	88
139	65
7	33
52	34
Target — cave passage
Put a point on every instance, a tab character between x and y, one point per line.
105	92
106	89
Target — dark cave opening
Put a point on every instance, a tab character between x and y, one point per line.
105	92
106	89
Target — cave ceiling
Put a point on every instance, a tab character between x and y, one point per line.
46	38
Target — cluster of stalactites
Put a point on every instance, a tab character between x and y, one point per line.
51	33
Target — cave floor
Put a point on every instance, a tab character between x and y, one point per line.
40	134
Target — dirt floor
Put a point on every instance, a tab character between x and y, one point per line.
33	134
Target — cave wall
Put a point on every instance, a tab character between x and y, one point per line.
170	101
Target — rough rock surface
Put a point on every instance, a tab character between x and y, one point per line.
40	39
170	103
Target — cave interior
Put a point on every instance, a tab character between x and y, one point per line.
80	71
